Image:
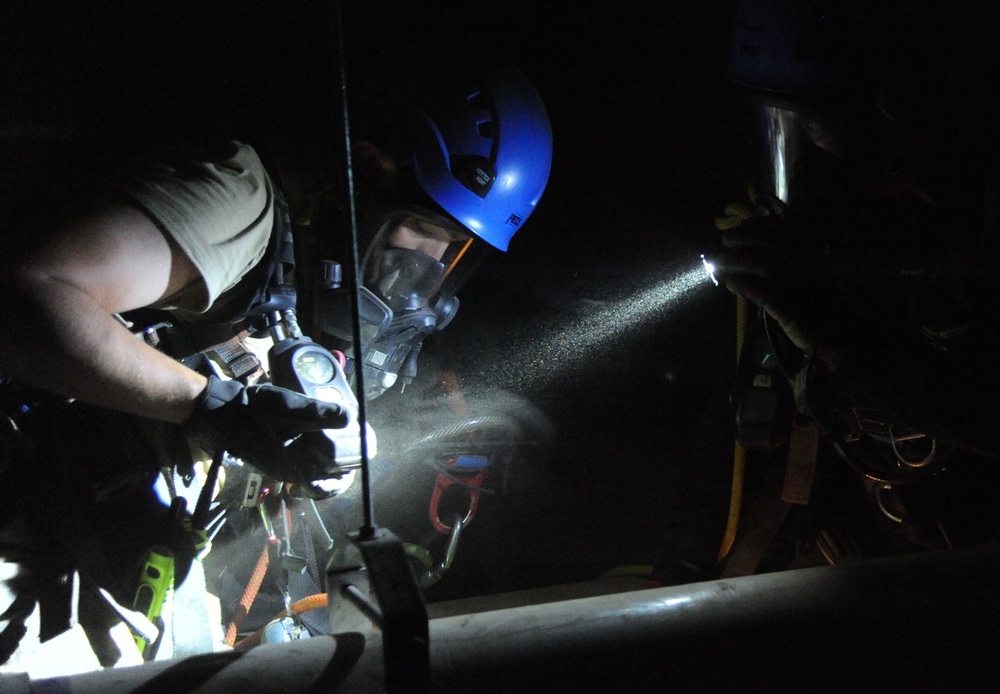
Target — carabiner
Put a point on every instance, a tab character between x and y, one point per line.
467	470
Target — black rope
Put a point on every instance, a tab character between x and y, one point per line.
367	529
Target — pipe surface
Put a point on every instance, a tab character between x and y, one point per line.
922	622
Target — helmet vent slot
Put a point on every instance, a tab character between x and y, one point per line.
486	129
480	101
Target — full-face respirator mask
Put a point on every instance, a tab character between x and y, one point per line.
412	269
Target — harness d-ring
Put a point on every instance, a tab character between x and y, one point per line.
467	469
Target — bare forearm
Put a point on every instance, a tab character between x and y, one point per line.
57	338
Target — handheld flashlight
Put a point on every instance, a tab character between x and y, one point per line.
710	269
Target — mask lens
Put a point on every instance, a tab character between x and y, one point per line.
407	279
412	256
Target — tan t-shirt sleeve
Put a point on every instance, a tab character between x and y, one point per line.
218	208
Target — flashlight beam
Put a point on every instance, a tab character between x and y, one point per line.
565	348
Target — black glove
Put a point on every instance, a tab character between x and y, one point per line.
274	429
766	263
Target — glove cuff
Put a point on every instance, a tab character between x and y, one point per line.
218	393
208	427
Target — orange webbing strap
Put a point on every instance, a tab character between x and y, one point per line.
449	380
249	595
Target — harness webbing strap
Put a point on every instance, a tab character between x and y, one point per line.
239	359
764	520
234	358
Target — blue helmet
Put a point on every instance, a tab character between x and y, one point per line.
783	47
825	51
470	159
482	146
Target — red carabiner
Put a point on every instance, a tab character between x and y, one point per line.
471	470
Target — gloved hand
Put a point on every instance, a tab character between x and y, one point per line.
764	261
739	211
274	429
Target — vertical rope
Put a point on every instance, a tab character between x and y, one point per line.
249	595
367	529
739	453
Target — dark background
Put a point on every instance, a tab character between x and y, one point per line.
650	143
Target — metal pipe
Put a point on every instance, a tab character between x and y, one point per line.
301	666
902	623
928	621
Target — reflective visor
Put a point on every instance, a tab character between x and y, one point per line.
807	154
783	141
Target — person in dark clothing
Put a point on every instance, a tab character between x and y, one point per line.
868	259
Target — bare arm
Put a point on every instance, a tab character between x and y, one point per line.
56	310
